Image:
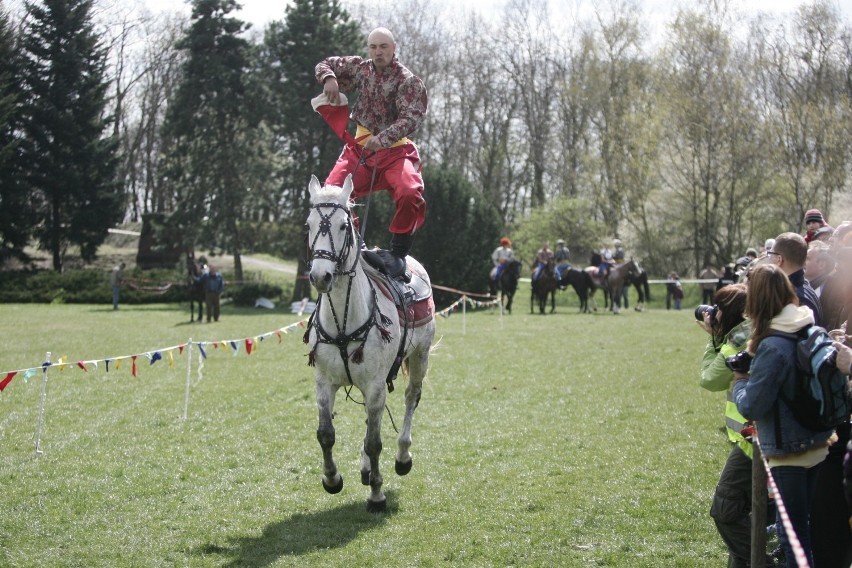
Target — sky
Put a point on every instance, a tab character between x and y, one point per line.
259	12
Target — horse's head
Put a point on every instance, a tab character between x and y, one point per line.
633	267
330	233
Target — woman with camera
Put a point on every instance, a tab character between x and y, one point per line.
763	389
729	333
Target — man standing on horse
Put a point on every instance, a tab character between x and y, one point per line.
391	104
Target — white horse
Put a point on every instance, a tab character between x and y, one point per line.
359	337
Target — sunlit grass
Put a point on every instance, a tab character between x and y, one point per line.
563	440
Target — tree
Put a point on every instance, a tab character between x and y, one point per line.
68	156
805	85
715	155
300	139
620	114
208	132
288	56
16	213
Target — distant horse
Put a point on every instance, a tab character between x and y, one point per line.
582	284
546	285
360	336
640	282
195	289
508	284
597	283
617	279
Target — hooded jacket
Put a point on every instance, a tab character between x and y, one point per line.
774	371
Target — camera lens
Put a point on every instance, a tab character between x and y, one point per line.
701	310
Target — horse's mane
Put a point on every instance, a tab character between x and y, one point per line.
333	194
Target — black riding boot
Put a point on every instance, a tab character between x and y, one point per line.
399	247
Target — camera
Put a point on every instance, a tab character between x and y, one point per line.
739	363
705	309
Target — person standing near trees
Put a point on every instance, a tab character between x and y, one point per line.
391	104
116	278
708	288
214	285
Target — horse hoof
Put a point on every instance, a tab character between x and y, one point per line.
402	468
333	489
377	506
365	478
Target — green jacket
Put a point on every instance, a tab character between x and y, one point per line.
715	376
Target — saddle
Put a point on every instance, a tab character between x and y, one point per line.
413	299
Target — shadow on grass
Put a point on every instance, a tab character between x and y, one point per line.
302	534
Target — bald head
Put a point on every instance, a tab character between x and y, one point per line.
381	47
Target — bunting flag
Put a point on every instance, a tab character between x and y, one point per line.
251	344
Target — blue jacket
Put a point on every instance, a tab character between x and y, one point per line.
212	282
773	371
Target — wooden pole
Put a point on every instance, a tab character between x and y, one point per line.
758	509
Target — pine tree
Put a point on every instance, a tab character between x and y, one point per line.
312	30
15	209
207	132
68	158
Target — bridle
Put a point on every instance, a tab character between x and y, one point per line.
324	230
341	339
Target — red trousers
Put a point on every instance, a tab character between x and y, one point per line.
397	172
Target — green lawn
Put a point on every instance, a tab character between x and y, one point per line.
558	440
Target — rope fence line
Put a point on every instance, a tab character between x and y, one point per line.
249	344
795	544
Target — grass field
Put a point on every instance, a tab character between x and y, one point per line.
558	440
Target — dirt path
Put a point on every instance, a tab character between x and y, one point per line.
251	262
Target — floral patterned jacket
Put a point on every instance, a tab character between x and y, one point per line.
391	104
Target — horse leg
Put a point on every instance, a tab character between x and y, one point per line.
375	406
553	301
418	363
615	300
332	481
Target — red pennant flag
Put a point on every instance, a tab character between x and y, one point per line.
5	382
248	346
82	366
133	369
180	349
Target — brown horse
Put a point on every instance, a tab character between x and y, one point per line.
195	289
618	278
545	285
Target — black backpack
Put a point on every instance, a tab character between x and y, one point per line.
822	398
